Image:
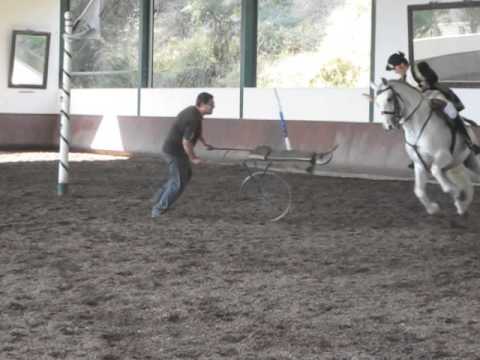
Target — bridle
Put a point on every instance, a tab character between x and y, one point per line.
397	113
398	119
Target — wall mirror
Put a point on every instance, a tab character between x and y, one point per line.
29	59
447	36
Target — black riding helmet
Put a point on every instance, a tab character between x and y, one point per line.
395	60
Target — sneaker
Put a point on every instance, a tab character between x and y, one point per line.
157	212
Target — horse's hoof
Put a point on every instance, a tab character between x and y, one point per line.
462	210
433	209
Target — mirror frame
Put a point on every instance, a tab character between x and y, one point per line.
12	59
439	6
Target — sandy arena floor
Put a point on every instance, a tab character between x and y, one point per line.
356	271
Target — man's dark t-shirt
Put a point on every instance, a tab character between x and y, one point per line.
188	126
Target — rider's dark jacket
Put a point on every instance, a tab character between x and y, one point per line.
428	80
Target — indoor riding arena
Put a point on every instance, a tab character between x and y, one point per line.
299	235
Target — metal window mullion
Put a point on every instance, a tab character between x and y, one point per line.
373	36
144	52
248	47
145	33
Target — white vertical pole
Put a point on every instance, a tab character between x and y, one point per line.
63	168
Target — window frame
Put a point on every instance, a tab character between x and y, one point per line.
44	83
439	6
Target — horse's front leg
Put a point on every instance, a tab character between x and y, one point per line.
421	179
441	161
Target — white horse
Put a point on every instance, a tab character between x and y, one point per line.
430	142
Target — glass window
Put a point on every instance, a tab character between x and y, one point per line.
196	43
105	54
314	43
447	36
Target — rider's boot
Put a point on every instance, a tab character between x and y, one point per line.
463	130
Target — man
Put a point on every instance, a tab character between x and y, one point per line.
178	152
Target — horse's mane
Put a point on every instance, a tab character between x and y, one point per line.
404	83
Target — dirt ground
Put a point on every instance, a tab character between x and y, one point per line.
356	271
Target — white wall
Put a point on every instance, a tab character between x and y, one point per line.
324	104
37	15
169	102
392	36
445	45
297	104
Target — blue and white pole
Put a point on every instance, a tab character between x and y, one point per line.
283	123
63	167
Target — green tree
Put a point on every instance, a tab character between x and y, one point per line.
425	24
197	43
472	17
337	73
116	50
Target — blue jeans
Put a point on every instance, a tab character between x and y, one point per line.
179	174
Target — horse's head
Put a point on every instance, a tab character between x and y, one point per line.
388	102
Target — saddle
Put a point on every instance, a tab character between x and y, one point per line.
437	104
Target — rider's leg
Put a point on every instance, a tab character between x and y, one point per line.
468	139
452	113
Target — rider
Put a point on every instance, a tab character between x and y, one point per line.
400	65
427	80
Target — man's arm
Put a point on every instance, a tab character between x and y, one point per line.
188	147
207	146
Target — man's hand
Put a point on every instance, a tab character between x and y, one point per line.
204	143
195	160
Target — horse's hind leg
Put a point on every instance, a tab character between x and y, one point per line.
473	164
459	176
421	190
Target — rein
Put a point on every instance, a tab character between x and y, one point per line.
415	110
396	113
400	120
414	146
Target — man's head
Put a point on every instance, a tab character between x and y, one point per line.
205	103
398	63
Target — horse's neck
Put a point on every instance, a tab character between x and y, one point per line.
417	111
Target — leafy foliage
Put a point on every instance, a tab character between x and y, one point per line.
338	73
116	50
197	43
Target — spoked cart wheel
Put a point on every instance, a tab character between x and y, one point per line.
266	195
